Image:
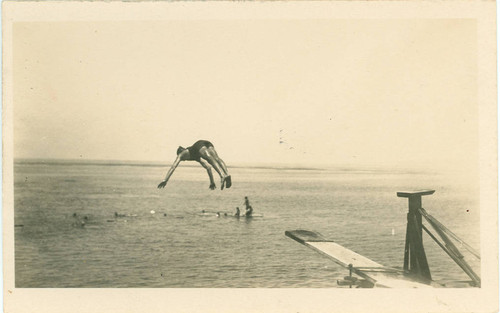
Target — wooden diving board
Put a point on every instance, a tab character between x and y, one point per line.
377	274
408	194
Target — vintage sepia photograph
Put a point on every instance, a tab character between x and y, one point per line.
250	148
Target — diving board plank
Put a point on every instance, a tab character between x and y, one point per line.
361	265
344	256
408	194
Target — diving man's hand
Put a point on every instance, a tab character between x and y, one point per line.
162	184
212	186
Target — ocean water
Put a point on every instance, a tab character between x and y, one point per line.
177	247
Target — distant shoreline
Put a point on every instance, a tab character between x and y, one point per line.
338	168
150	164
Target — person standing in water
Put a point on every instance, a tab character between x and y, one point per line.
203	152
237	212
249	209
247	203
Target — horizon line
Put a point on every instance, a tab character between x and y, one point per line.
253	165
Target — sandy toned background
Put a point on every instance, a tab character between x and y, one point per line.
107	73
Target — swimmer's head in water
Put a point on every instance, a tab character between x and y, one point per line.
180	149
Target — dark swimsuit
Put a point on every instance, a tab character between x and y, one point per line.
194	150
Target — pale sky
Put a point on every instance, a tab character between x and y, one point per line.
373	91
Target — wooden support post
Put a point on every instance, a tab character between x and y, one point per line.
415	260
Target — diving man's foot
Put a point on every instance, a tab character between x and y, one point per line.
228	181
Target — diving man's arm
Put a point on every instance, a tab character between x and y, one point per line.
170	172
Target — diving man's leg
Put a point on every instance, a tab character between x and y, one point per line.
220	162
204	152
209	171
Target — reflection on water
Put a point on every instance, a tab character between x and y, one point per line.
71	237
